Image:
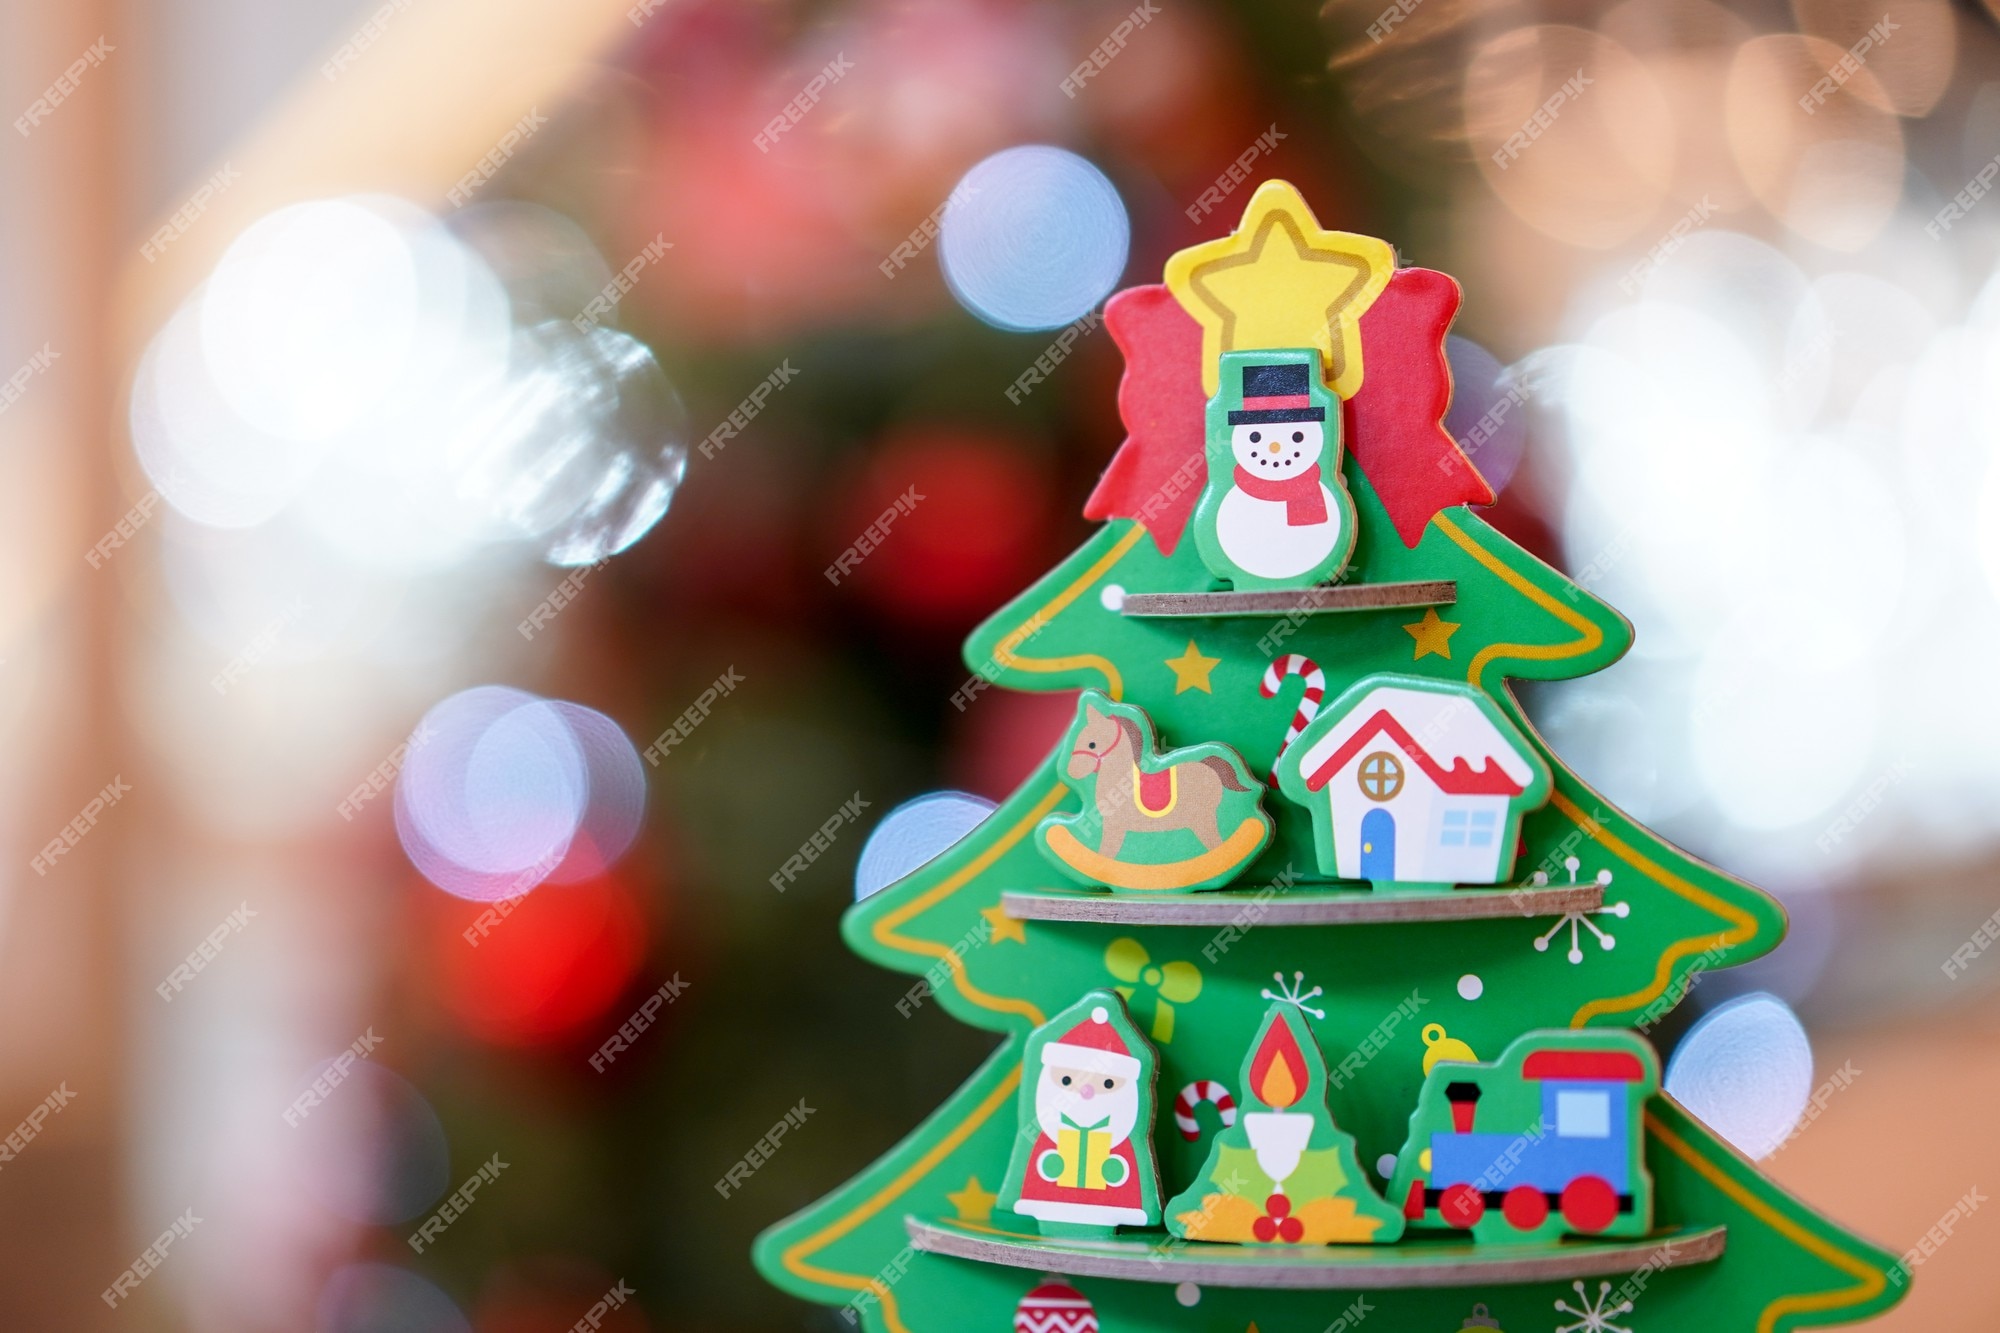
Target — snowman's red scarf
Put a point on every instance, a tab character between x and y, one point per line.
1304	501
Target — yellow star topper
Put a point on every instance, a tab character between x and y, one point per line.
1278	280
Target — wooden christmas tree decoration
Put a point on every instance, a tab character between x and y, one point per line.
1498	849
1187	819
1412	781
1083	1160
1543	1142
1283	1173
1275	512
1055	1307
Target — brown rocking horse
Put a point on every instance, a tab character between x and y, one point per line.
1126	786
1128	799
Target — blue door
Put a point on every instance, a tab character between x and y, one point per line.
1378	845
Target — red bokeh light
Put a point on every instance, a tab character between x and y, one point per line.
961	525
1004	736
558	959
552	1294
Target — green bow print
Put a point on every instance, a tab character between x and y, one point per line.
1171	983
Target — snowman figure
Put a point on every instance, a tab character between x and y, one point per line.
1275	512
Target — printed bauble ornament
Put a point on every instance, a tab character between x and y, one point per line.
1055	1307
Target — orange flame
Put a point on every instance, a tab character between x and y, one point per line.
1278	1073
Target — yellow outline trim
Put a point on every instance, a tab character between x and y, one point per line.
1744	927
794	1255
885	934
1004	654
1872	1282
1591	637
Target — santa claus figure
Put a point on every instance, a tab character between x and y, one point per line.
1089	1166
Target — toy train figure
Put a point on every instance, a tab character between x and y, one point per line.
1547	1140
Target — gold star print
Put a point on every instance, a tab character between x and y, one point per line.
1191	670
1004	927
1432	633
1278	280
973	1203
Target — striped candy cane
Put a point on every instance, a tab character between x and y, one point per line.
1193	1095
1291	664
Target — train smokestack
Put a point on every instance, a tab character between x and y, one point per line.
1464	1099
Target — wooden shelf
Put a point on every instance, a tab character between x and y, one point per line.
1320	600
1302	907
1430	1260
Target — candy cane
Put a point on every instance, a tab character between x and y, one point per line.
1291	664
1193	1095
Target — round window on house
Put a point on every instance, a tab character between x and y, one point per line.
1380	776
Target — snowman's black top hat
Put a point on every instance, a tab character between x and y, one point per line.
1276	392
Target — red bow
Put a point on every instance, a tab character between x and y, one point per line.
1394	425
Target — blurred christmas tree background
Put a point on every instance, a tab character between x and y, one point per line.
1738	249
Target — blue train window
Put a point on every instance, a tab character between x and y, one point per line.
1583	1115
1468	828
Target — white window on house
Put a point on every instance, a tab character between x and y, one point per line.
1468	828
1583	1115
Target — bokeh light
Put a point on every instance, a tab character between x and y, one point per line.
1488	414
1004	739
1831	170
372	1150
583	446
542	1293
617	803
918	831
203	459
1033	238
1746	1070
1775	465
556	961
498	784
311	316
1591	168
381	1298
357	367
1913	67
967	513
490	797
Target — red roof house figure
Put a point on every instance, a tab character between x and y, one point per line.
1413	781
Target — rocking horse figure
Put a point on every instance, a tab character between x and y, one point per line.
1187	819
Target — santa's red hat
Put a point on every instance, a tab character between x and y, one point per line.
1093	1045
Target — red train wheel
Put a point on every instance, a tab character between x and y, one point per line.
1525	1207
1589	1203
1461	1205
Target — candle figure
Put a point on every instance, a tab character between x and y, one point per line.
1284	1173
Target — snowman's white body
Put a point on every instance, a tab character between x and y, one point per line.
1254	533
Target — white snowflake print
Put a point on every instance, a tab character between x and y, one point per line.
1595	1313
1580	921
1293	992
